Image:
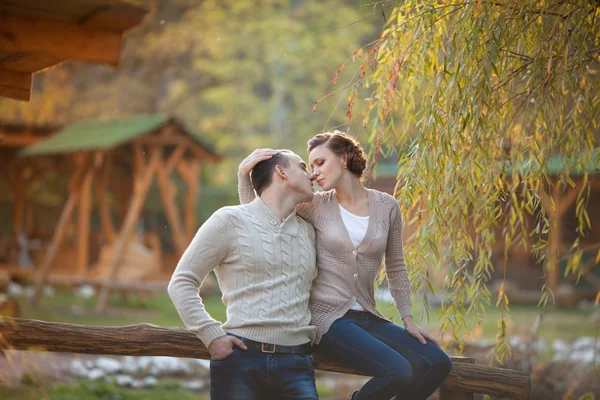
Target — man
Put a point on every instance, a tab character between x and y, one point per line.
264	258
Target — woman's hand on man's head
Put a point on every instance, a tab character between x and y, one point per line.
254	158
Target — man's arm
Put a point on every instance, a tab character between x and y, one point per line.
206	251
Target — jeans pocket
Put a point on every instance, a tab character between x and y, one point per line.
305	359
227	358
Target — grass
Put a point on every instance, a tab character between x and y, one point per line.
95	390
64	306
558	323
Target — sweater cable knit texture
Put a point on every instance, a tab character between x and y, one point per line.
264	267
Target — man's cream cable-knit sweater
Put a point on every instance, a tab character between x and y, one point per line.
264	268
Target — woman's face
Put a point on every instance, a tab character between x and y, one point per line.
327	167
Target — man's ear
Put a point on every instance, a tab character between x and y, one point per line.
279	171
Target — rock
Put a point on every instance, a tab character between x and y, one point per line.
583	356
144	364
150	382
516	343
585	342
79	369
123	380
130	364
108	365
170	366
49	291
14	289
85	291
137	384
89	364
194	386
96	374
203	363
28	291
560	347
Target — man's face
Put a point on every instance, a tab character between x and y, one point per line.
299	178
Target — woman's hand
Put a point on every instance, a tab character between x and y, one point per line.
254	158
416	331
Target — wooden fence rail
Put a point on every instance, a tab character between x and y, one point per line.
151	340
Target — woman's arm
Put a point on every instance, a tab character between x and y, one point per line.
397	276
395	267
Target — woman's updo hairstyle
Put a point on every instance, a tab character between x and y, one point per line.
341	144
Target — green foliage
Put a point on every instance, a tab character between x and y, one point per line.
244	73
476	98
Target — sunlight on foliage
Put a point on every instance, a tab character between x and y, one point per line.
492	107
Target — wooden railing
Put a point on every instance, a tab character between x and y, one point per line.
465	379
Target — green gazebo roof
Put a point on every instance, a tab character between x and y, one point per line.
102	135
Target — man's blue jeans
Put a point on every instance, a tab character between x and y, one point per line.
252	375
400	364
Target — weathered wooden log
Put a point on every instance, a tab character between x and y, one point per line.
152	340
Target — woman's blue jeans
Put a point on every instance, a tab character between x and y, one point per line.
401	366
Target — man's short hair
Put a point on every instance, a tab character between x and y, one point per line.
262	173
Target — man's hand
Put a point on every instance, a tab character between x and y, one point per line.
254	158
223	346
417	331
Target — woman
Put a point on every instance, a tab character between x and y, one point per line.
355	227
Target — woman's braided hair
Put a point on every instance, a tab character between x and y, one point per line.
341	144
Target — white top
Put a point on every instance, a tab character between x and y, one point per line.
357	228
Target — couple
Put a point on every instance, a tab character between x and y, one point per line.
297	269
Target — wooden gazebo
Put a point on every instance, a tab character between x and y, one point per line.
37	34
120	157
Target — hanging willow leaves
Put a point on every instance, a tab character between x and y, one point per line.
496	105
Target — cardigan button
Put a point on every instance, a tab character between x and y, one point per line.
354	252
355	275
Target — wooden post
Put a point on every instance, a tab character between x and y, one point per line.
141	188
449	394
83	223
190	172
74	191
167	194
107	226
555	243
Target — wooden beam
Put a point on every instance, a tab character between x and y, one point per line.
555	239
61	38
59	231
141	188
12	140
175	157
168	198
15	85
448	394
83	223
152	340
190	172
108	228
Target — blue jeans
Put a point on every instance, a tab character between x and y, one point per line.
252	375
400	364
